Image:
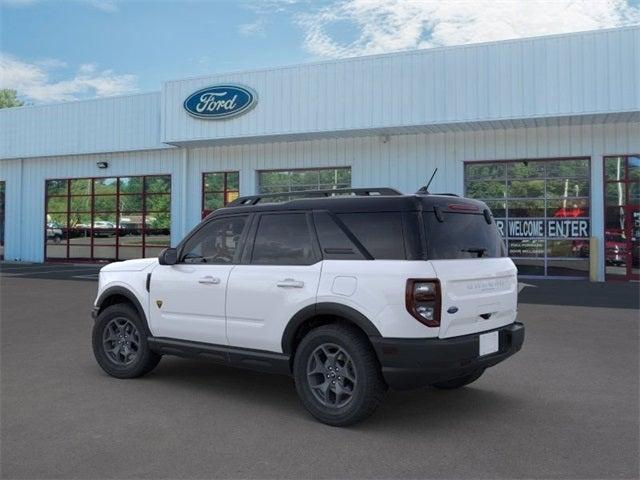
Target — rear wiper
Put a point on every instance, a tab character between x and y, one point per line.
479	251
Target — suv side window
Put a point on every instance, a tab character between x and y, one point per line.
379	232
284	239
215	243
334	242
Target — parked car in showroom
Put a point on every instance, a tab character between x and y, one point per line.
103	228
54	232
351	292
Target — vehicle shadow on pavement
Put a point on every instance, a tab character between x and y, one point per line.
399	410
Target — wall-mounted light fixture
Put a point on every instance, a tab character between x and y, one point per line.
102	164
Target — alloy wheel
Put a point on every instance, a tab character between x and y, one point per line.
331	375
121	341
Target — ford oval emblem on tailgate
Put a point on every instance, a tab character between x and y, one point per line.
452	310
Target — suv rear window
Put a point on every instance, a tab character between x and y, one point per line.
462	235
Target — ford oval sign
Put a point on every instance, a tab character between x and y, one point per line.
220	101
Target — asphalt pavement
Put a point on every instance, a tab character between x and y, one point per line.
566	406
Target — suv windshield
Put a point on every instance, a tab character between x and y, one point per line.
462	235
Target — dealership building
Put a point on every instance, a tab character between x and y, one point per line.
546	130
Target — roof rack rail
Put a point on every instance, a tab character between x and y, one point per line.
359	192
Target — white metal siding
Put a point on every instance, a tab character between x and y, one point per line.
570	78
102	125
564	75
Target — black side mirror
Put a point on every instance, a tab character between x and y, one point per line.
168	256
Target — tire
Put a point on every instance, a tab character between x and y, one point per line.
460	381
355	369
131	356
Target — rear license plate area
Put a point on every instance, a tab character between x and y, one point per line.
489	343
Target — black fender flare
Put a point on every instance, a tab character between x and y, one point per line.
325	308
129	295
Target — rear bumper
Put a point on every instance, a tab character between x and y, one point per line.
412	363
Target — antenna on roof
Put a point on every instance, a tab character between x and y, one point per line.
425	190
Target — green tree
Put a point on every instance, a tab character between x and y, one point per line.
9	98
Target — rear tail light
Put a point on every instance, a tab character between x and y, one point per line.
423	301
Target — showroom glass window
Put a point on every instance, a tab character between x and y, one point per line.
622	217
106	219
283	181
542	209
219	189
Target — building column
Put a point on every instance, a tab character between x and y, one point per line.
597	212
184	177
15	236
248	182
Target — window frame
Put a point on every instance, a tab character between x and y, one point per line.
505	178
224	192
95	215
301	169
626	181
247	254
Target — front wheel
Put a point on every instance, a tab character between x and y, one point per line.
460	381
120	344
337	375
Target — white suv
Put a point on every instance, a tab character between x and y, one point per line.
350	292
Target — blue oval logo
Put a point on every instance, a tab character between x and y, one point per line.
220	101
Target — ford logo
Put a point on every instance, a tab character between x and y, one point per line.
220	101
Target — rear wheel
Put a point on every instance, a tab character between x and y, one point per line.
460	381
120	344
337	375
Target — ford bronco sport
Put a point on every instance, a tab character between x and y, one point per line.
349	291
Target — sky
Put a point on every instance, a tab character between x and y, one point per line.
61	50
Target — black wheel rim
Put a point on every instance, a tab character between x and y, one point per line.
331	375
121	341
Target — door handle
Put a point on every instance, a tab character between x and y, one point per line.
209	280
290	283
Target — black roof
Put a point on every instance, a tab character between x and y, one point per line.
391	202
